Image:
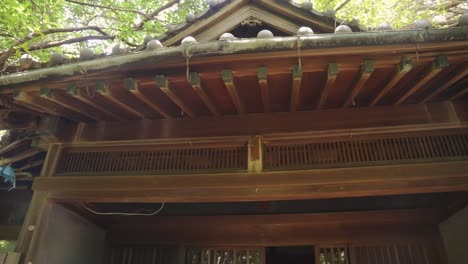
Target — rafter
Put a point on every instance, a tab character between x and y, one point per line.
367	68
197	87
459	94
132	85
20	156
332	74
457	77
42	105
50	95
437	65
163	84
103	89
73	91
401	70
25	100
229	83
296	87
263	84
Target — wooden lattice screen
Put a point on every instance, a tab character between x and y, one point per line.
342	152
396	254
147	161
402	253
143	255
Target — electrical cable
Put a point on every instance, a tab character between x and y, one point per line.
125	214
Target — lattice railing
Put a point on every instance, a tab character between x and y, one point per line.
309	153
150	161
366	152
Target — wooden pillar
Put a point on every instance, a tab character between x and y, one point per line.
255	155
35	222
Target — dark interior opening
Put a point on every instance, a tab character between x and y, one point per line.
290	255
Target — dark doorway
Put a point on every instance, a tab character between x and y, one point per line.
290	255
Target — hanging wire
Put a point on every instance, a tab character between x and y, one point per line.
136	213
299	60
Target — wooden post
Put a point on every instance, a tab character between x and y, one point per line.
33	227
255	155
38	212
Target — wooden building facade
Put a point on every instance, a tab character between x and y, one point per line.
298	148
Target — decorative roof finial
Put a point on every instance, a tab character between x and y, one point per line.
265	34
343	29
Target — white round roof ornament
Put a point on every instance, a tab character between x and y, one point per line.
147	39
212	3
57	58
343	29
463	20
227	36
154	44
86	54
305	31
330	13
189	41
384	27
190	17
424	24
119	49
265	34
307	5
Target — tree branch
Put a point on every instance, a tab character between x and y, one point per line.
107	7
8	52
67	41
342	5
153	14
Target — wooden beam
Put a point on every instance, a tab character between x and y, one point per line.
19	143
400	71
196	85
437	65
446	114
19	157
263	186
163	84
332	74
455	78
54	97
73	91
103	89
26	100
296	87
229	83
263	84
132	85
367	68
37	103
282	229
461	93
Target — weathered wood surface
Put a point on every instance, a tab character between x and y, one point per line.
265	186
372	227
448	114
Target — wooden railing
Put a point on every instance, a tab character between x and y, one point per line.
263	154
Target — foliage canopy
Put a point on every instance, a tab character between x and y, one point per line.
39	27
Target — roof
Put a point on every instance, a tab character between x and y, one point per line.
231	76
226	15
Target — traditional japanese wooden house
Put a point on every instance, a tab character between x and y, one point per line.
299	145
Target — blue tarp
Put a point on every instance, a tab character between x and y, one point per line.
8	174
